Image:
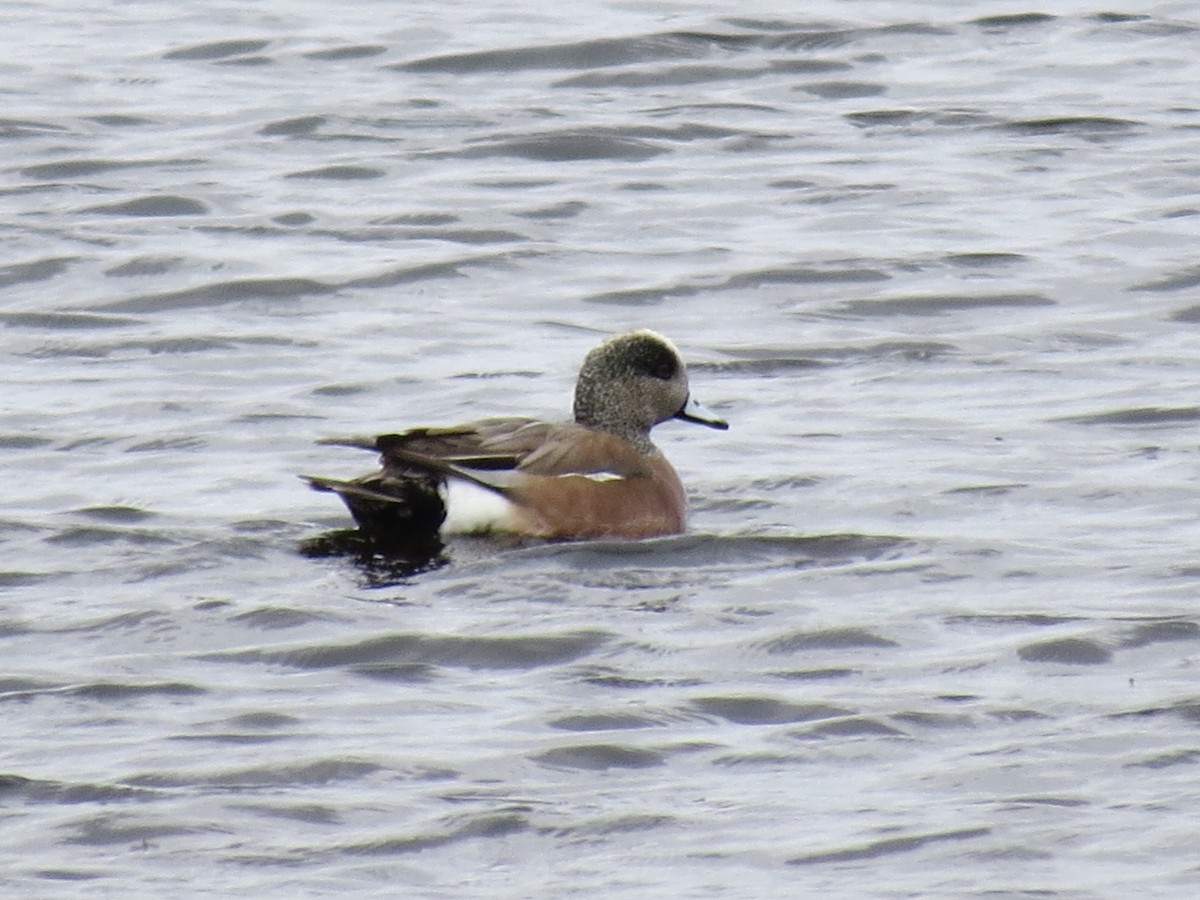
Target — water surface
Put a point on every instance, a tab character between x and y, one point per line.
933	632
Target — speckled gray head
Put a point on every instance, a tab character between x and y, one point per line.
633	381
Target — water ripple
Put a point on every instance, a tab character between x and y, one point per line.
526	652
888	847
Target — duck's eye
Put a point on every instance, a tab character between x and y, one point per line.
665	370
657	361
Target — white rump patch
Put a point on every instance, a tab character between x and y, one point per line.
471	509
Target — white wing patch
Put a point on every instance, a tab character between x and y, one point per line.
594	476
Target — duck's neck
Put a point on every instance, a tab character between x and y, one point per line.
638	437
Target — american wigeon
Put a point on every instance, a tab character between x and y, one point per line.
598	476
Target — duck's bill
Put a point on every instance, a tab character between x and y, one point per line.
694	411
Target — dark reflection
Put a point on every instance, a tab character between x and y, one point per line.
382	562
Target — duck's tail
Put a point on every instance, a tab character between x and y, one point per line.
390	508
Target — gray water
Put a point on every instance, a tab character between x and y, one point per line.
934	631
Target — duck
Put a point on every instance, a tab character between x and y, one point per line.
596	476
